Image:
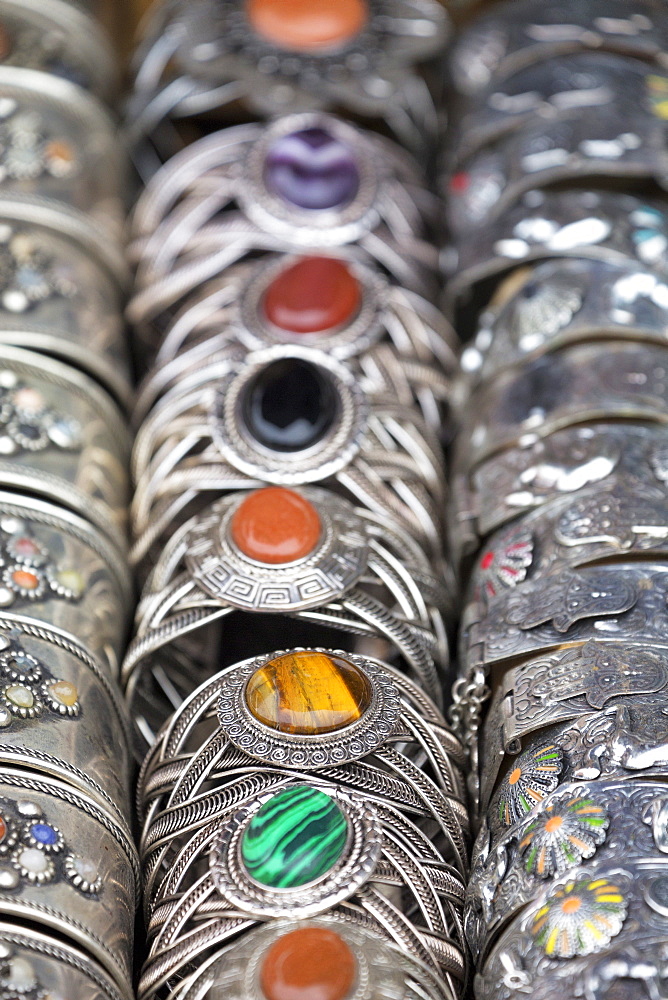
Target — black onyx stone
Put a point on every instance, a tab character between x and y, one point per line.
290	405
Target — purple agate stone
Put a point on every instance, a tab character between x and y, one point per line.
312	169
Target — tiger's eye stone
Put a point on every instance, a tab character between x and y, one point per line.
298	836
306	693
314	294
312	169
312	963
305	25
290	405
275	526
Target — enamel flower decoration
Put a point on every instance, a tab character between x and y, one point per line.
568	830
535	775
506	566
579	918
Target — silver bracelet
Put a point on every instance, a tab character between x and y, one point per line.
59	572
552	949
540	471
305	182
289	416
296	755
597	225
563	302
395	337
65	866
63	438
61	39
311	556
199	57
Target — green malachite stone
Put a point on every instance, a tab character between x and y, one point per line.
295	838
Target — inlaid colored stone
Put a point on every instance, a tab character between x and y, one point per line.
275	525
290	405
312	169
24	579
306	693
44	834
295	838
314	294
33	860
72	580
63	692
26	547
302	25
3	829
312	963
20	696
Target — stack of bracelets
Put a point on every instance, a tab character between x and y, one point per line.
303	826
69	872
559	513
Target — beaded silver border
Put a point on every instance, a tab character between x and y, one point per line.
353	742
332	568
355	866
326	457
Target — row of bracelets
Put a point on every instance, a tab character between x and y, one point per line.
304	831
69	869
558	513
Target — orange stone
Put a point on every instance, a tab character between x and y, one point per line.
515	776
314	294
275	526
64	692
311	963
26	580
59	150
308	693
307	25
3	829
571	905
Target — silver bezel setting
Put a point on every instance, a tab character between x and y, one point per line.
355	866
346	340
353	742
334	566
326	227
327	456
381	969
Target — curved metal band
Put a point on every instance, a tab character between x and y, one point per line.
514	35
605	381
590	86
608	603
77	161
68	867
597	225
396	37
601	457
63	438
564	302
60	572
31	956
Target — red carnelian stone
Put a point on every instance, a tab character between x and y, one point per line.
314	294
311	963
307	25
275	525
